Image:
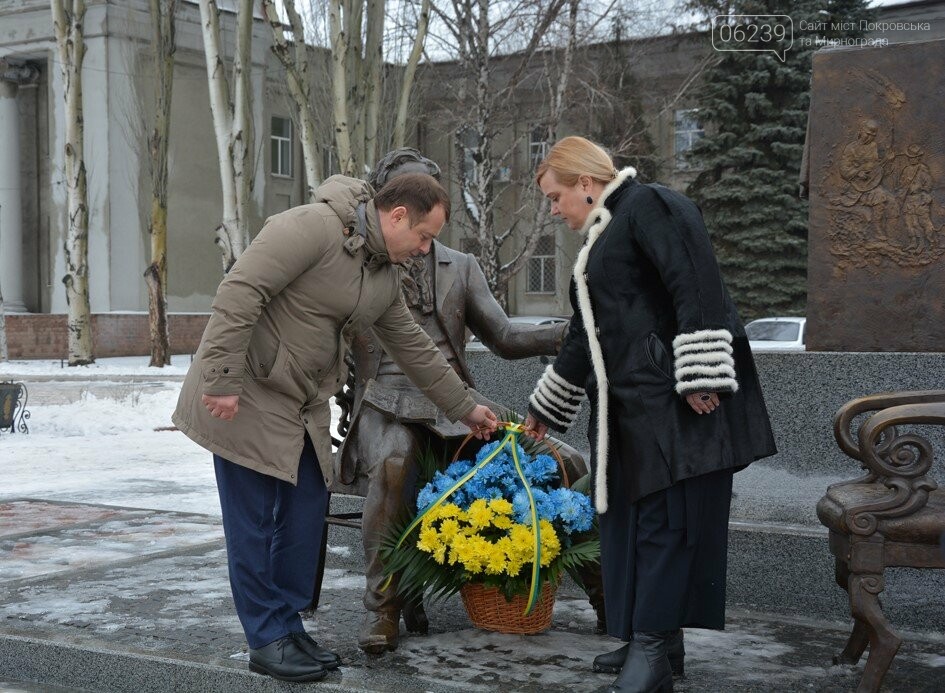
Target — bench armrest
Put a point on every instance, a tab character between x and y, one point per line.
898	461
849	411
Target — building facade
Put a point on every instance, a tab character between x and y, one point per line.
118	93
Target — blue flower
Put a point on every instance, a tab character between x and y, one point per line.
458	469
567	510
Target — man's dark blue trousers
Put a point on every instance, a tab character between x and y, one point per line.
273	543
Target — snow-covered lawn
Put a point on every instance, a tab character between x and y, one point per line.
104	447
124	365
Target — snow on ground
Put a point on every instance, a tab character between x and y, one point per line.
103	447
122	365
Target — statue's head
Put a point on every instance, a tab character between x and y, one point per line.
868	130
400	161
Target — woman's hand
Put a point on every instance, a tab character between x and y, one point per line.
703	402
535	428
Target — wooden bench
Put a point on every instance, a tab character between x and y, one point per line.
892	516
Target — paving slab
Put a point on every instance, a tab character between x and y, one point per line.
104	598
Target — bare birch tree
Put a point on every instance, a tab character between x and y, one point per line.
232	124
294	57
357	32
410	71
68	16
4	353
164	45
540	217
490	89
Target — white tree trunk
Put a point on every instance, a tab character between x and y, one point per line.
67	20
374	63
233	133
339	87
164	44
410	70
4	354
296	64
243	135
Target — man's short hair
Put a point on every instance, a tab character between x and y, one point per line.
418	192
399	161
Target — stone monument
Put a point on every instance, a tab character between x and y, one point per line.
876	154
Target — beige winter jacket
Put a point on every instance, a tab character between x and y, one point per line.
277	334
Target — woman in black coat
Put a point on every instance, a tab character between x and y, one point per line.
657	347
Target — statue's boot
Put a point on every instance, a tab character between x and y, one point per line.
593	584
381	628
415	617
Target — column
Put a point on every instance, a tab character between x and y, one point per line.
11	209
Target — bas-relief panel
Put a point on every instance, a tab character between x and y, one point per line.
877	222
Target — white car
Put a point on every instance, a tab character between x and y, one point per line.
475	345
776	334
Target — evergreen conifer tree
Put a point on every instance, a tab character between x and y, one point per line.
754	107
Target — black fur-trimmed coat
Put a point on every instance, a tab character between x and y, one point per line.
652	323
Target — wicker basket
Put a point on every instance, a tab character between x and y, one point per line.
489	610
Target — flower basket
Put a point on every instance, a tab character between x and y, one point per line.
499	529
488	609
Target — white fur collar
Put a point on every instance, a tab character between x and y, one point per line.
592	216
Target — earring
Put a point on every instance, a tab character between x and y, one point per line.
590	200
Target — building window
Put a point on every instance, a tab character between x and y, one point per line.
330	166
542	267
537	147
689	129
468	140
281	141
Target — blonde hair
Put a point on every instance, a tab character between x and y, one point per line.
574	157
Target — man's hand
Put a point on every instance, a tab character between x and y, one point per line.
222	406
482	421
703	402
535	428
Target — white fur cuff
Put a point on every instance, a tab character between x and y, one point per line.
703	362
556	400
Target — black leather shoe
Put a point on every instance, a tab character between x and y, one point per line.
328	659
612	662
646	668
286	661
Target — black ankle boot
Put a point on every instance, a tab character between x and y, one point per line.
612	662
646	668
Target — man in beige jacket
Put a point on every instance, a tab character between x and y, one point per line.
257	394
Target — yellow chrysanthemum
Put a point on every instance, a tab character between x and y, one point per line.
496	561
479	514
500	506
502	522
447	510
429	539
550	544
449	528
